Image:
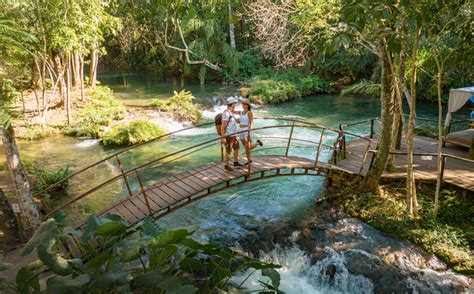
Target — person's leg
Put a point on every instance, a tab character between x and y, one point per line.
236	147
247	149
228	150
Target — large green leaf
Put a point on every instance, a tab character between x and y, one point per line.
53	260
68	284
46	231
99	260
110	280
149	279
273	275
169	237
149	227
111	229
158	256
91	225
27	279
176	285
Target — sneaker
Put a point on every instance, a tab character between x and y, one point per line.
228	168
260	143
247	163
236	163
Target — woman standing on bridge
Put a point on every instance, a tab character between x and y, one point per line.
246	124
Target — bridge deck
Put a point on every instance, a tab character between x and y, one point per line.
178	190
456	172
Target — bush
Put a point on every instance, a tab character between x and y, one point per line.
99	111
44	179
180	106
272	86
136	131
113	261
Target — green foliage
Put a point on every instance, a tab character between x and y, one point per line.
363	87
149	261
180	106
136	131
449	236
272	86
99	111
426	131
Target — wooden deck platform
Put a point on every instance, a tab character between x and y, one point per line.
457	172
176	191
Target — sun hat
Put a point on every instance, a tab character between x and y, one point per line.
231	100
244	101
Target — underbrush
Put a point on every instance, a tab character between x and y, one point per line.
136	131
180	106
99	111
275	86
35	132
450	236
147	260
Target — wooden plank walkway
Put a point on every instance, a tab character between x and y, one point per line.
179	190
457	172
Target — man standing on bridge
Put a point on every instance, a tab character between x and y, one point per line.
229	135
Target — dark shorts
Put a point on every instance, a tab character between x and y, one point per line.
231	141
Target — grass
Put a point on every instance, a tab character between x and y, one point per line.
99	111
180	106
271	86
450	236
136	131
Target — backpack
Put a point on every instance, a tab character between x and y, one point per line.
218	122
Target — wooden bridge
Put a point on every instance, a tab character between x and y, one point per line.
157	198
329	149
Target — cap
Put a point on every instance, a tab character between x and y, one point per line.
231	100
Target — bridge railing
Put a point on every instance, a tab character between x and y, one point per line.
135	174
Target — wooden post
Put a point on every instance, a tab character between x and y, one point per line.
289	139
123	175
372	128
319	148
364	158
334	152
150	211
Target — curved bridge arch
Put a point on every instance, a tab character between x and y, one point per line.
159	198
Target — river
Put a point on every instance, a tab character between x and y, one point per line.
228	216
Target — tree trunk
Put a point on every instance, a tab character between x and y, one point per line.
231	26
440	66
411	185
29	210
399	119
81	72
76	67
93	68
68	88
370	182
8	221
58	68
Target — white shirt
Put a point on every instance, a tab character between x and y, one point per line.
229	120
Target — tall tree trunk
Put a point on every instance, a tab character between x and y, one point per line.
76	68
370	182
440	66
29	210
68	87
411	185
399	119
231	25
8	221
93	67
81	72
58	68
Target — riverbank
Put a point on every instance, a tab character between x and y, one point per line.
340	248
94	116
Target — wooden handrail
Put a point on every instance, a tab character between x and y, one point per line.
207	144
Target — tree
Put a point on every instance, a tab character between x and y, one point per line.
14	47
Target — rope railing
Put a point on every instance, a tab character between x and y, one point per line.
176	155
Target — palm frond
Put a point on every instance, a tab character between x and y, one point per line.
363	87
